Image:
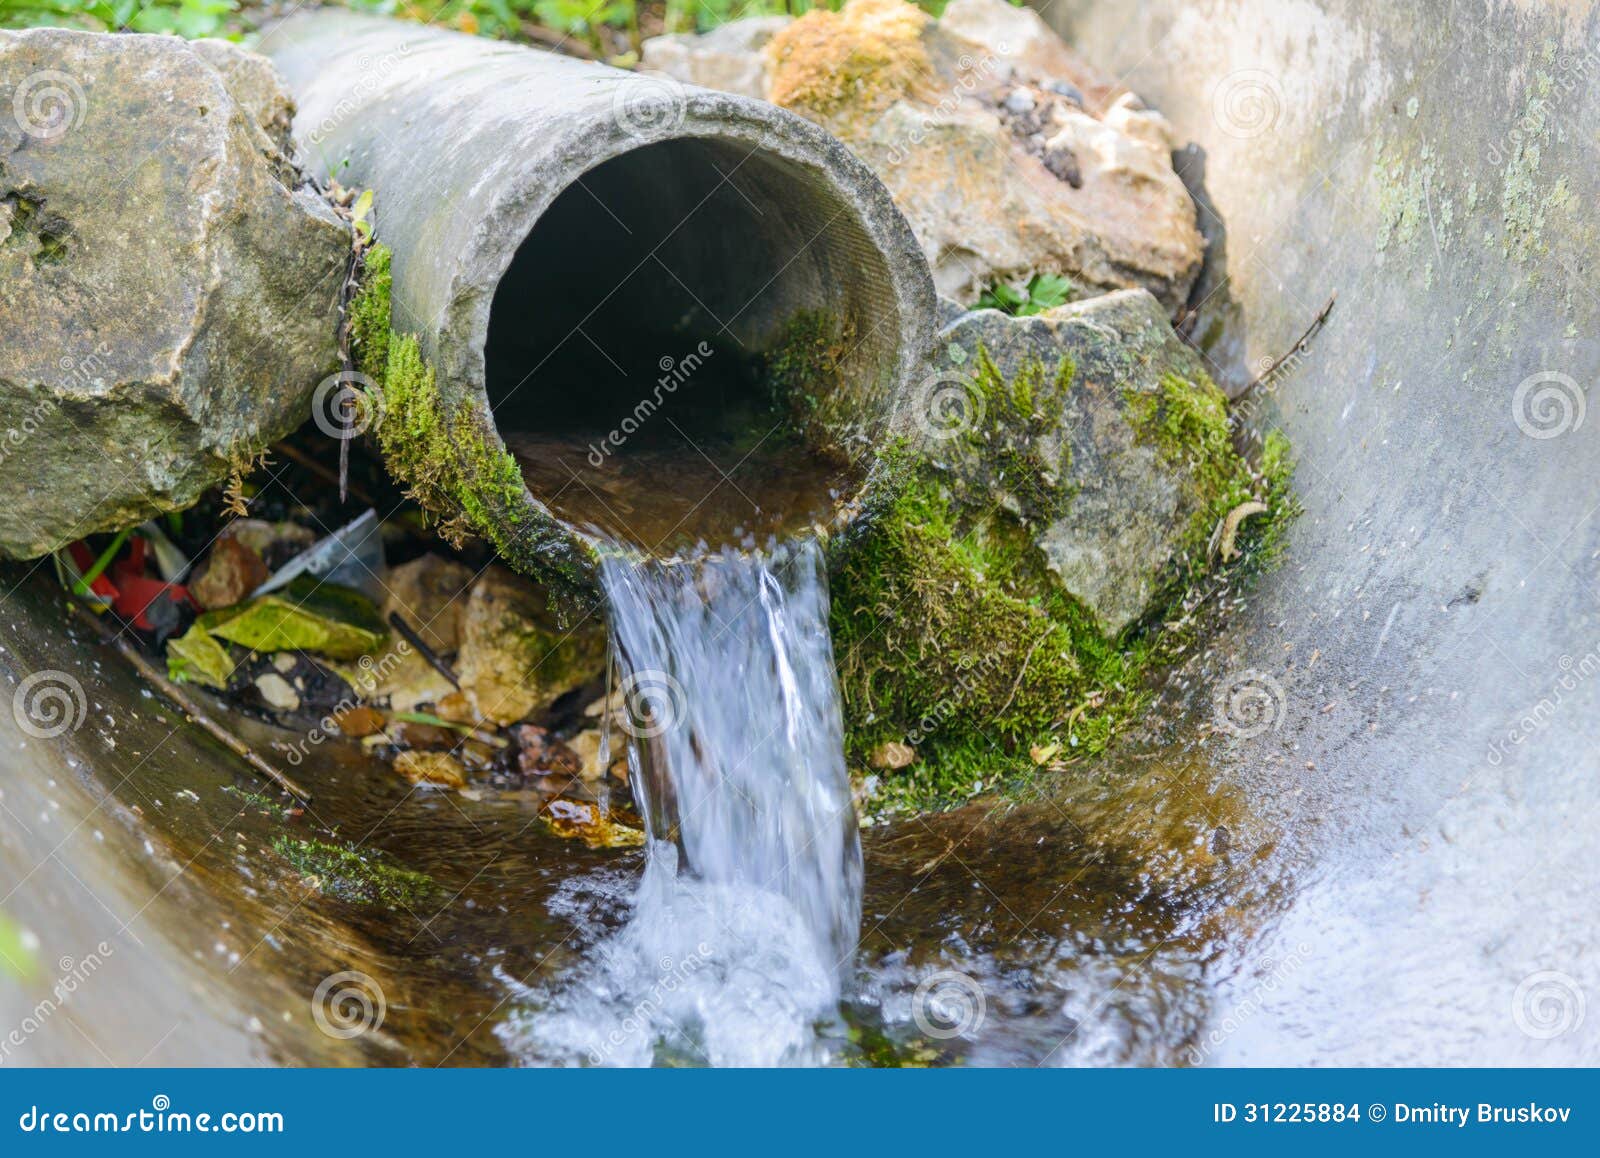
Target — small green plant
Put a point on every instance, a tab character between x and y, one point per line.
1044	291
188	18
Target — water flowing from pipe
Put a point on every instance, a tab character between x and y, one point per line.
744	927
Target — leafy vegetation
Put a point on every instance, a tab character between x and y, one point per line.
188	18
1044	291
608	27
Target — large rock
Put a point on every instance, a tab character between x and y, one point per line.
169	291
726	58
1107	497
514	659
1006	153
1046	505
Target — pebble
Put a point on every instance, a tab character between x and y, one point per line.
277	693
1019	101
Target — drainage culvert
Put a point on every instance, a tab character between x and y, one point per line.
616	301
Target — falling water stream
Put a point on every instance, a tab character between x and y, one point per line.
744	928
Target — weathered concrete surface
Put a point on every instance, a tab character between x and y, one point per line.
169	296
1434	629
1008	154
1119	505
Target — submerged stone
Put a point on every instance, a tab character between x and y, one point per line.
170	288
514	658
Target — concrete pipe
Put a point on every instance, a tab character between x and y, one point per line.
622	274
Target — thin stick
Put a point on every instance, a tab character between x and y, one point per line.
1316	322
320	471
423	649
190	706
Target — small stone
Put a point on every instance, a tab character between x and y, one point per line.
892	754
457	707
410	734
1019	101
476	755
1063	165
230	572
1221	840
430	594
1062	89
285	662
359	721
538	753
514	657
277	543
587	746
276	692
439	769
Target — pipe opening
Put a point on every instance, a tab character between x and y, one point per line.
637	341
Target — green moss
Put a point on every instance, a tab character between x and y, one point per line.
951	633
804	373
447	455
369	314
355	876
1018	436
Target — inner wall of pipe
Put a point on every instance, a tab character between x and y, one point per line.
629	353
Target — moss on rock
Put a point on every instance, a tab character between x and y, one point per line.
952	630
854	63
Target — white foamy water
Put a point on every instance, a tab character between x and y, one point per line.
745	923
